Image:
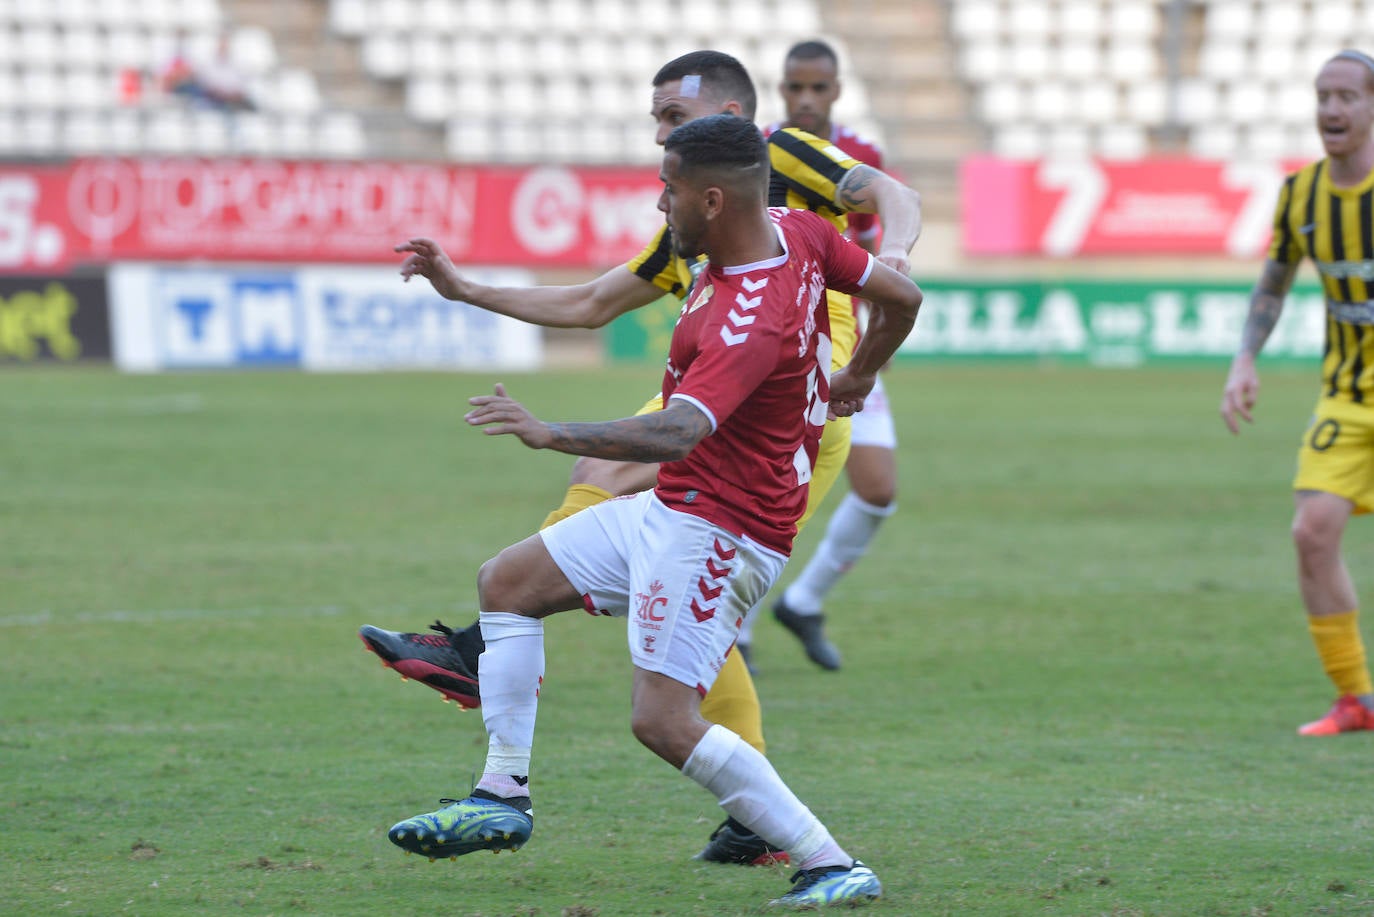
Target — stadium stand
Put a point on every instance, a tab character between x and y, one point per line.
509	80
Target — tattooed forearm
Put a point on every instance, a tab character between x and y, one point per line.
1266	305
659	436
853	192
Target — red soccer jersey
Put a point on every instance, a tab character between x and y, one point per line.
752	350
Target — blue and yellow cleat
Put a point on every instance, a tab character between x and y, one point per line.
827	885
464	826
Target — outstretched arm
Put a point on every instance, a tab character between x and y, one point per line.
658	436
867	190
583	305
1266	305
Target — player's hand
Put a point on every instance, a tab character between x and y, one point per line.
847	392
898	261
429	260
500	413
1241	391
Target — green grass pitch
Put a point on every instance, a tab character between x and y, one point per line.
1074	660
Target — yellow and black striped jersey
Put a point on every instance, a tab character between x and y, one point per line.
807	171
1335	228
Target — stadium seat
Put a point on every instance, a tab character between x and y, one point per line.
1096	103
427	99
168	131
296	91
209	133
441	17
1020	141
1122	141
340	136
38	131
1133	19
1080	20
1003	102
1247	102
983	60
971	20
1229	19
386	56
1147	102
1078	59
351	18
1029	19
1199	101
1214	141
470	140
251	49
84	132
1070	141
1050	102
1030	58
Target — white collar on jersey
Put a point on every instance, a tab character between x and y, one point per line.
762	265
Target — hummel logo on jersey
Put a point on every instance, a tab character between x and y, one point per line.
746	303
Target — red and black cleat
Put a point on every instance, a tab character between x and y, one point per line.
429	658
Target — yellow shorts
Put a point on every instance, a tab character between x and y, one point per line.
1337	453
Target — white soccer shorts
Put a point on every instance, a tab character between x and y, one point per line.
684	584
873	425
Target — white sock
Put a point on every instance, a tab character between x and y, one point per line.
750	790
509	674
847	537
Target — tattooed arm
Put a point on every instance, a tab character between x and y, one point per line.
865	189
1266	305
658	436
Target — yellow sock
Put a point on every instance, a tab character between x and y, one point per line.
733	703
578	498
1342	651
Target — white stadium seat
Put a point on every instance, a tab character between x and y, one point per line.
1122	141
1023	141
1003	102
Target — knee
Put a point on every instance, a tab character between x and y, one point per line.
663	736
651	732
1312	536
879	493
495	584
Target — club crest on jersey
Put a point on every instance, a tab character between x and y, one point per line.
701	298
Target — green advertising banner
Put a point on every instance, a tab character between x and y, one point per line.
1114	323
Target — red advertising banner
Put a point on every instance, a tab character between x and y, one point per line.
102	209
1096	207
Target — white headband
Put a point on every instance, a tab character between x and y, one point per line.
1360	56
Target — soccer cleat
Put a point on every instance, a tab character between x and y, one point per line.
826	885
810	630
464	826
734	843
430	658
1346	715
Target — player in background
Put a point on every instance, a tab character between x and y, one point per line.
810	86
1323	213
745	391
806	172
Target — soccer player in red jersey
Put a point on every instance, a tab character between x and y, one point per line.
809	88
746	394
